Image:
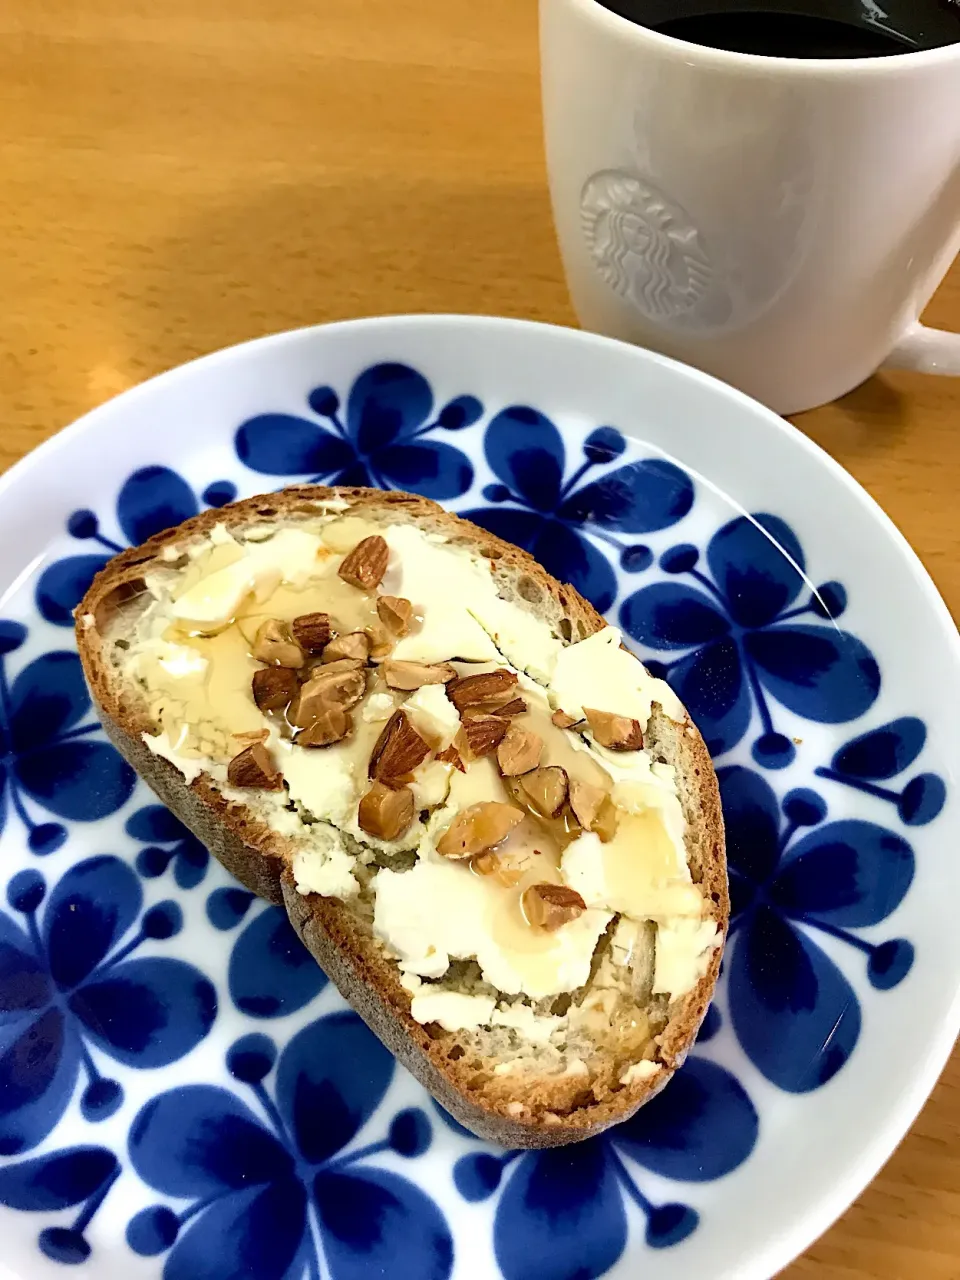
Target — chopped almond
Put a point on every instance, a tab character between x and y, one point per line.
451	756
395	613
275	645
330	725
381	644
478	828
562	720
586	801
385	813
520	751
488	686
311	631
606	821
398	750
254	768
515	707
341	684
366	564
550	906
547	789
619	733
485	864
274	687
413	675
354	645
483	734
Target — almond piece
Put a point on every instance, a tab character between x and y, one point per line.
515	707
274	687
547	789
331	724
485	864
412	675
398	750
451	756
311	631
478	828
607	819
549	906
384	813
488	686
520	751
483	734
341	684
395	613
353	645
275	645
381	644
254	767
586	801
366	564
562	720
619	733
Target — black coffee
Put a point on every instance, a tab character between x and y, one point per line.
785	35
801	28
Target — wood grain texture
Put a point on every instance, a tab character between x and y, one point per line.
177	177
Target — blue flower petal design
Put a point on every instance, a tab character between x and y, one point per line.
153	499
562	1207
70	983
91	907
849	873
61	1180
56	1181
189	857
560	550
260	1179
669	615
387	403
701	1127
525	450
256	1233
371	1222
53	763
38	1072
792	1009
882	753
149	1013
746	646
639	498
822	675
277	444
878	756
382	441
437	470
201	1141
330	1081
271	972
63	584
712	686
758	565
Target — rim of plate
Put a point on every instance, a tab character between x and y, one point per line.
878	1146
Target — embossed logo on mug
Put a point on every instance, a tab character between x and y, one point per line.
648	248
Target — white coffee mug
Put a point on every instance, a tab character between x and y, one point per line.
777	222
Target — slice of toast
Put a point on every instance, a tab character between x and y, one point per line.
543	1070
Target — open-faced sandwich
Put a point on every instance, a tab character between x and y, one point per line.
496	832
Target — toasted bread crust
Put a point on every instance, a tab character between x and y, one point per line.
340	941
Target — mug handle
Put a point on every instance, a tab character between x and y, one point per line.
926	351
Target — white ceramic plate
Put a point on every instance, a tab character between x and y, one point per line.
182	1094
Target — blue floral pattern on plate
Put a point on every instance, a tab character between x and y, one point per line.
559	520
234	1171
742	641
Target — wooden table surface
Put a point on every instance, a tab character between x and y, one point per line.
176	177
